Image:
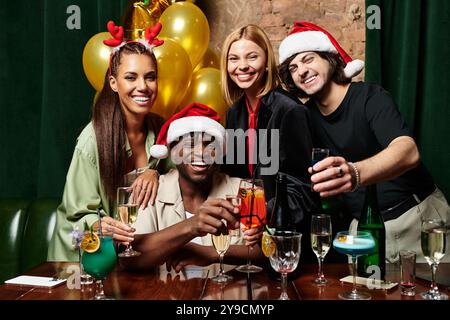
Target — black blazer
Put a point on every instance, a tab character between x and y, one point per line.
277	111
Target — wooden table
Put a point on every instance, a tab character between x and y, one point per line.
195	284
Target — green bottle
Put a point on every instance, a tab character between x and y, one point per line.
372	221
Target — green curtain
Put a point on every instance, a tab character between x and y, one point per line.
409	56
45	98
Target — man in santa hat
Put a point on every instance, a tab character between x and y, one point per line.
367	137
190	204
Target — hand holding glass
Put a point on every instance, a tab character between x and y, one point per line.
127	211
321	242
222	241
317	155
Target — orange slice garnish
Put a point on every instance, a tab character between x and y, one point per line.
268	246
90	242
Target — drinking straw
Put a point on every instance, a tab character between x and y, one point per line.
253	197
100	232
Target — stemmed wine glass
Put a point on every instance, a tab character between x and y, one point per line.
354	244
127	211
253	213
100	263
222	241
284	255
433	240
321	242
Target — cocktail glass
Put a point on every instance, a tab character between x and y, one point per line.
354	244
100	263
253	213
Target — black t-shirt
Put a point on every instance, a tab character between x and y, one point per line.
365	123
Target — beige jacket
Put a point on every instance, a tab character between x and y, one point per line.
169	210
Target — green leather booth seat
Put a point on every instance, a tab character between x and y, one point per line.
26	227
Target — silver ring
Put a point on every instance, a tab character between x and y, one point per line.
341	172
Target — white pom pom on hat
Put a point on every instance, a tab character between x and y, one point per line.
195	117
306	36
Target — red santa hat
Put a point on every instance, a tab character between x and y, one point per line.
195	117
306	36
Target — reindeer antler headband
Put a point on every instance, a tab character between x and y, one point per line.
116	42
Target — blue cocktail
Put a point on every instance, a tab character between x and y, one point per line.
354	247
354	244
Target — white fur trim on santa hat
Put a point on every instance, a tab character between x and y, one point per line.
353	68
182	126
305	41
159	151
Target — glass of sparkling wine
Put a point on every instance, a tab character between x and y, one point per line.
433	238
222	241
321	242
354	244
284	255
127	211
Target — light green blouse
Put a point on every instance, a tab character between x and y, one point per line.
83	193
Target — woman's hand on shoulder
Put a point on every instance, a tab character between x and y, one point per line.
146	187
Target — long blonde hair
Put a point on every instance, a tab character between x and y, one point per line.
231	92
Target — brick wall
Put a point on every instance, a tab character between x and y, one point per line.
344	19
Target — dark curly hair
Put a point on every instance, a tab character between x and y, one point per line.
337	65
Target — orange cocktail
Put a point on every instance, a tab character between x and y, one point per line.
253	207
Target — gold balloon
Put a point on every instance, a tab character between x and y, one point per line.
96	59
174	75
138	17
209	60
173	1
157	7
205	89
187	24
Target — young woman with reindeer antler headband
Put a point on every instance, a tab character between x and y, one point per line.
117	141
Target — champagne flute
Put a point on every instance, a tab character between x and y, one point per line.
433	240
321	242
127	211
284	255
222	241
100	263
354	244
253	213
